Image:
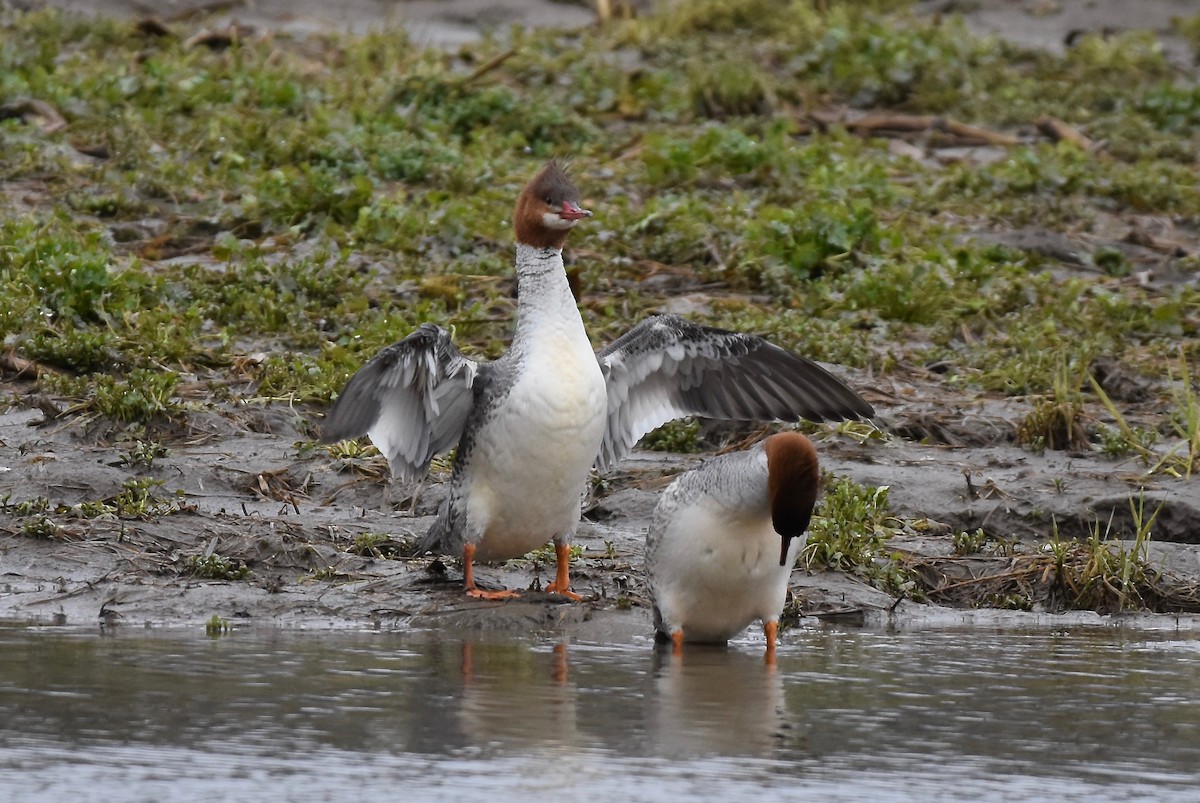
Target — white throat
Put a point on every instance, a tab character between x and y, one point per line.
544	299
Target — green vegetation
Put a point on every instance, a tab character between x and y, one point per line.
677	436
1100	572
1056	421
211	566
139	498
546	555
376	545
850	530
142	454
249	224
305	199
1183	457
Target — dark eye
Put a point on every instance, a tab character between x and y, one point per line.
549	201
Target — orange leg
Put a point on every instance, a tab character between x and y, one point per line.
677	642
559	672
469	579
770	630
562	579
467	667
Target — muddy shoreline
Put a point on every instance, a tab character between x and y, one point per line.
323	539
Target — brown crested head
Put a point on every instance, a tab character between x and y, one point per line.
793	482
547	209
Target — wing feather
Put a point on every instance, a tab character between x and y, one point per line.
667	367
412	399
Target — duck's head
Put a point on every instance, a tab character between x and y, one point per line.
547	209
793	482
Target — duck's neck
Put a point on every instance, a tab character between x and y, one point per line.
544	299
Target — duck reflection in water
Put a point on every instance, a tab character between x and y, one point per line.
718	701
517	696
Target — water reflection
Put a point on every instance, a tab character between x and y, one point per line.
515	699
691	697
845	714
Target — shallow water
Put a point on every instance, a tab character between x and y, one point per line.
847	714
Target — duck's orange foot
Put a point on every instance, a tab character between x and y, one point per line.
566	591
479	593
469	579
562	575
770	630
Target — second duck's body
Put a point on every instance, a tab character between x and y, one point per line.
724	537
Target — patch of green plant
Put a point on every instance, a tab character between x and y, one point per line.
804	240
328	574
1181	459
1026	328
1056	420
680	436
718	151
723	87
376	545
39	527
142	396
1189	29
212	566
1050	183
1105	574
25	507
718	16
969	543
850	528
138	499
1185	420
217	626
547	556
1009	602
83	351
142	454
858	431
355	449
51	269
1116	442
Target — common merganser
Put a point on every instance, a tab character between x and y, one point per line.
724	537
530	425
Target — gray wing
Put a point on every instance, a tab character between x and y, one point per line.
667	367
412	399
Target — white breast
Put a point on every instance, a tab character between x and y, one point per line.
715	571
531	460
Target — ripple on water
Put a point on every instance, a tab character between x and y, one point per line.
1090	713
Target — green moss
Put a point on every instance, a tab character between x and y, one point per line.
302	200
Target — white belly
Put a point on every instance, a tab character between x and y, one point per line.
714	575
531	461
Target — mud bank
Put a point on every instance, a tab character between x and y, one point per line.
320	542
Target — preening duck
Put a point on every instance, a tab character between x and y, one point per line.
530	425
724	537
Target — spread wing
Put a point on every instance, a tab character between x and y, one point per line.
412	399
667	367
